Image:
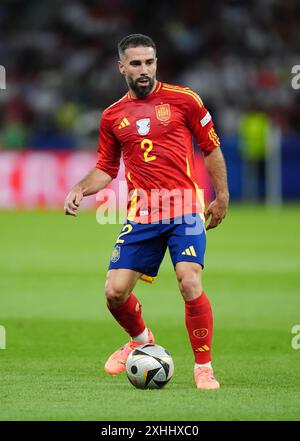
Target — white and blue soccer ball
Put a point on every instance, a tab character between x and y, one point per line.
149	366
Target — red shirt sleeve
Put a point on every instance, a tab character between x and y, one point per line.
109	149
201	124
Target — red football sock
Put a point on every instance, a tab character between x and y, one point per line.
129	316
199	324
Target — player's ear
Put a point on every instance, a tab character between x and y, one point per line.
121	67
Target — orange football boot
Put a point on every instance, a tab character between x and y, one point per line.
116	362
204	378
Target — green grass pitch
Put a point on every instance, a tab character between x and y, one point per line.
59	333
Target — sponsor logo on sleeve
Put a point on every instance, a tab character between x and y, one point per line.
205	120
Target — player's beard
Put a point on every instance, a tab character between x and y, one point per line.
140	91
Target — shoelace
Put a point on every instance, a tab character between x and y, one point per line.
205	372
129	346
124	348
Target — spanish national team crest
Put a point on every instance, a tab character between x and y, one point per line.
200	333
163	112
143	126
115	256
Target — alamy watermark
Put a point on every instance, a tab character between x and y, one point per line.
296	339
296	79
2	78
2	337
152	206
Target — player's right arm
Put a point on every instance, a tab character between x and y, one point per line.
93	182
107	167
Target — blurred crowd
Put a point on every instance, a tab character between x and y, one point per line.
60	59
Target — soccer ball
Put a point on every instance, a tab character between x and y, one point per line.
149	366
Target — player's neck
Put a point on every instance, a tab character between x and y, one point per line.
133	96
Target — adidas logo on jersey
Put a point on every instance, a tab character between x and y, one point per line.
124	123
190	251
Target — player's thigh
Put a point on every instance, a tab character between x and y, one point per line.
119	283
187	241
141	249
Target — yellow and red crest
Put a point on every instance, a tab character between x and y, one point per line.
200	333
163	112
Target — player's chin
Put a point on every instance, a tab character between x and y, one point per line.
142	89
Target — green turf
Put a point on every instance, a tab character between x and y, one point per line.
59	333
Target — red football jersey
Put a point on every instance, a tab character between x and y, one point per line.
155	137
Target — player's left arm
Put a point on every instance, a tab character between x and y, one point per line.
216	167
202	127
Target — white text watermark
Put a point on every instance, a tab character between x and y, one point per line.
2	337
296	339
2	77
153	206
296	79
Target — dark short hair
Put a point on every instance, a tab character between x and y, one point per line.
135	40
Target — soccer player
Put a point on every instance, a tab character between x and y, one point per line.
153	126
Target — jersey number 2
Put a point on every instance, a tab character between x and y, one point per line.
148	145
125	230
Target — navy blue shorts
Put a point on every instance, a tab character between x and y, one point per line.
141	247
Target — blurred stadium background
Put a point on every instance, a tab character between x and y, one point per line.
60	61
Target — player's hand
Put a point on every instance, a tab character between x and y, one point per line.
72	202
216	210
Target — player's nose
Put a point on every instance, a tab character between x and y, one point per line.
144	69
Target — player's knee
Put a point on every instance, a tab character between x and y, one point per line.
115	293
190	286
